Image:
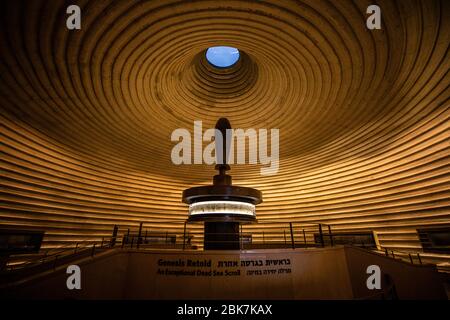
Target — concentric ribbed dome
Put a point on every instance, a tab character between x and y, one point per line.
87	114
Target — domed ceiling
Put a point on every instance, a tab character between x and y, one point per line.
87	115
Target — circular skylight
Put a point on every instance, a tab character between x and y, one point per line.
222	57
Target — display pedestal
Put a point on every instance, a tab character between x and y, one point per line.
221	236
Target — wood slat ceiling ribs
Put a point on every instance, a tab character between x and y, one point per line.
87	114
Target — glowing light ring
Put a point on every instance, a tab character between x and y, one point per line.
221	208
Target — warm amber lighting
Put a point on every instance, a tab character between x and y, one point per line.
87	115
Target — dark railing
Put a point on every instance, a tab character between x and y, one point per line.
189	236
55	255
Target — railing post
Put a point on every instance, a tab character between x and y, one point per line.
76	248
292	235
304	238
393	255
114	236
331	236
410	258
386	252
93	250
184	236
418	257
321	235
103	239
139	234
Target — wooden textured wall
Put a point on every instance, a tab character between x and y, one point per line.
87	114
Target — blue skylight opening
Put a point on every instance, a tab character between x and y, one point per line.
222	57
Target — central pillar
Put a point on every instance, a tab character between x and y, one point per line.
221	236
221	206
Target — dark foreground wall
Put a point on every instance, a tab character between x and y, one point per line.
330	273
